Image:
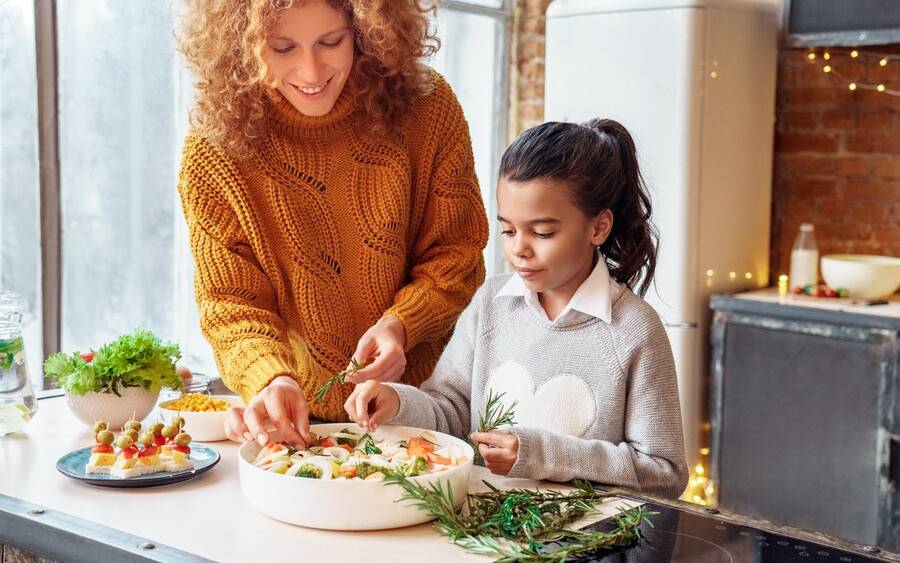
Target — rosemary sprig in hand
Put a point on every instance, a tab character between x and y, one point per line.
337	378
493	417
522	524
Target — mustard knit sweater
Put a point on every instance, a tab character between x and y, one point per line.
303	247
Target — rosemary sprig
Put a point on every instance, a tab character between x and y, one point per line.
336	378
493	417
522	524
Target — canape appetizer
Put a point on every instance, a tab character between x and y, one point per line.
103	455
126	465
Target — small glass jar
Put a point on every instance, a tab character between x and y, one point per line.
17	401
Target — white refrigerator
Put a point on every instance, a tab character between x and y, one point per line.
694	83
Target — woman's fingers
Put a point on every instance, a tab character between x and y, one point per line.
387	366
255	418
235	429
278	408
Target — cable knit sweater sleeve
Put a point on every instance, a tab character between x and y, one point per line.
447	265
238	313
443	401
651	457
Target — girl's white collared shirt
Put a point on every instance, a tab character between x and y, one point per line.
592	299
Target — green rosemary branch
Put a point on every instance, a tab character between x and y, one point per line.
493	417
337	378
522	524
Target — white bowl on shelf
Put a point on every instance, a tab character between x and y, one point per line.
204	426
347	504
116	410
864	276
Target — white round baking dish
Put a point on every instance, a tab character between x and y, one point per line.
347	504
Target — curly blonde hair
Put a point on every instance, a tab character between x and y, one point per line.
224	42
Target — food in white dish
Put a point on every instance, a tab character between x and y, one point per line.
347	455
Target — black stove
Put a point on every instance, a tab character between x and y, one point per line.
677	536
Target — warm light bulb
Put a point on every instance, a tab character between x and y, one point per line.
748	275
732	275
710	273
852	86
880	87
827	68
783	278
699	469
854	53
883	62
827	56
811	56
713	74
704	451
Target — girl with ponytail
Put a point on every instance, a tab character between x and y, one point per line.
567	336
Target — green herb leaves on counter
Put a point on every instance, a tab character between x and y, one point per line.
139	359
337	378
522	524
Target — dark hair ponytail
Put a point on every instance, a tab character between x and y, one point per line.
598	162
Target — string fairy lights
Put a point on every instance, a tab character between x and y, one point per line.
831	66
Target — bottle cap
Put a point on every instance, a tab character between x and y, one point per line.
806	227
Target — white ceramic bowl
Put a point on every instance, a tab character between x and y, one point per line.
349	504
202	426
116	410
864	276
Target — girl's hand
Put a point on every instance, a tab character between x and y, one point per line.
500	450
282	404
371	403
381	349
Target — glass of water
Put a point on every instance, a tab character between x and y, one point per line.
17	403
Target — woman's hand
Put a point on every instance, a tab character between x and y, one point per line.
372	403
381	351
500	450
282	404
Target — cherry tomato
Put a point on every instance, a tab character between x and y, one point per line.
87	356
148	451
103	449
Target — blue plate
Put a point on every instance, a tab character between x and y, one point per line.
72	465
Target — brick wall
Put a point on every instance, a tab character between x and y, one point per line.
527	68
837	152
837	155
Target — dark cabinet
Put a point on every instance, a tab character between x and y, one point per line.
804	416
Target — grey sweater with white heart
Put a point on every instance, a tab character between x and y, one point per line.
602	403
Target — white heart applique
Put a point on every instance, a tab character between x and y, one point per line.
563	404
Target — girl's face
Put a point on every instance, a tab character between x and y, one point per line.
546	238
310	53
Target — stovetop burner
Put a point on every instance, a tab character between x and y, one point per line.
684	537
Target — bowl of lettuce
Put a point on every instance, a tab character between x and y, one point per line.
119	381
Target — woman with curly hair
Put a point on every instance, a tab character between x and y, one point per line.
329	189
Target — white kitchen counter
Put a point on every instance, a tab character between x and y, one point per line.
206	517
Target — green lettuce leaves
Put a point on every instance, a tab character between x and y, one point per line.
139	359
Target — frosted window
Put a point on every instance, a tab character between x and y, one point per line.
20	235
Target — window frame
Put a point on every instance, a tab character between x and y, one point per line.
495	262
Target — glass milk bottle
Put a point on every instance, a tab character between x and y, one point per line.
17	403
805	258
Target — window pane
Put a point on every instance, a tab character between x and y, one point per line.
121	129
20	242
470	44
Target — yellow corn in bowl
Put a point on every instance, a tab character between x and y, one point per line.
204	415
